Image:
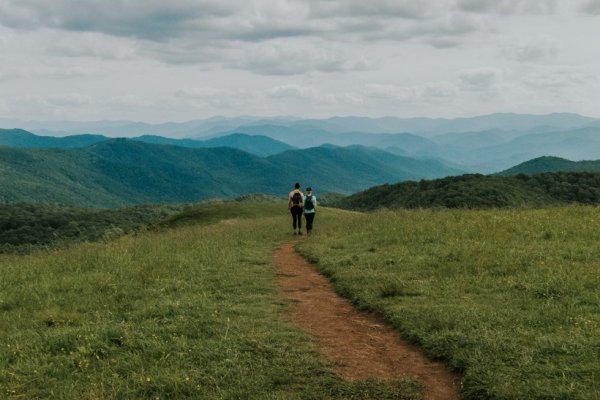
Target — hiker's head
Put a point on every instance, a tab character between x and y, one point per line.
297	186
309	190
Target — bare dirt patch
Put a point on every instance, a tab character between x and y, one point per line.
359	344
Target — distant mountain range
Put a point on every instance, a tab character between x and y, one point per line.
256	144
483	144
121	171
427	127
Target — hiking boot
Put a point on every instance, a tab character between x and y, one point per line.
299	232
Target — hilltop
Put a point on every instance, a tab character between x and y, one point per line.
552	164
481	191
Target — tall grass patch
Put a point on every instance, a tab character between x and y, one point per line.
511	298
189	312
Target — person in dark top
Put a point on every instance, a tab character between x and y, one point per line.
295	205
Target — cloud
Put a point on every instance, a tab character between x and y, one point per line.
149	19
508	7
559	78
428	92
287	58
444	42
215	98
591	7
408	9
10	75
294	91
58	105
69	100
479	79
89	44
533	51
209	23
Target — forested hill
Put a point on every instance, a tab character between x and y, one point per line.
120	172
552	164
482	191
30	226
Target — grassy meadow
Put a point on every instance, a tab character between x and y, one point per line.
187	310
511	298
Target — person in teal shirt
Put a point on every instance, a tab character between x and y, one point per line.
310	208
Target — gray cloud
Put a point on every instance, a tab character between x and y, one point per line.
428	92
479	79
149	19
408	9
559	79
126	58
268	38
8	75
294	91
286	58
533	51
444	42
508	7
591	7
90	44
440	32
210	21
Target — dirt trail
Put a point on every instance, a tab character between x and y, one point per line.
359	344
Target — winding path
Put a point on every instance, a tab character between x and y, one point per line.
359	344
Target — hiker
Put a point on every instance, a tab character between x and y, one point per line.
296	200
310	208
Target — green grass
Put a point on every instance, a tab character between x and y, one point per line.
511	298
189	312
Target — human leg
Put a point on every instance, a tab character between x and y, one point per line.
309	221
297	219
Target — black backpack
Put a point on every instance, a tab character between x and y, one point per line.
297	200
308	204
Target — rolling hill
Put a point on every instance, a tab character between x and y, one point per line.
481	191
552	164
254	144
121	171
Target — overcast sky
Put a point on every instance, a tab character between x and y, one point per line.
177	60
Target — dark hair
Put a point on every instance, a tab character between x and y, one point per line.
309	189
297	185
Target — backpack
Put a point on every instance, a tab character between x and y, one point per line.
309	204
297	200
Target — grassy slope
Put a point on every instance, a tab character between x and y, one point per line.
191	312
509	297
